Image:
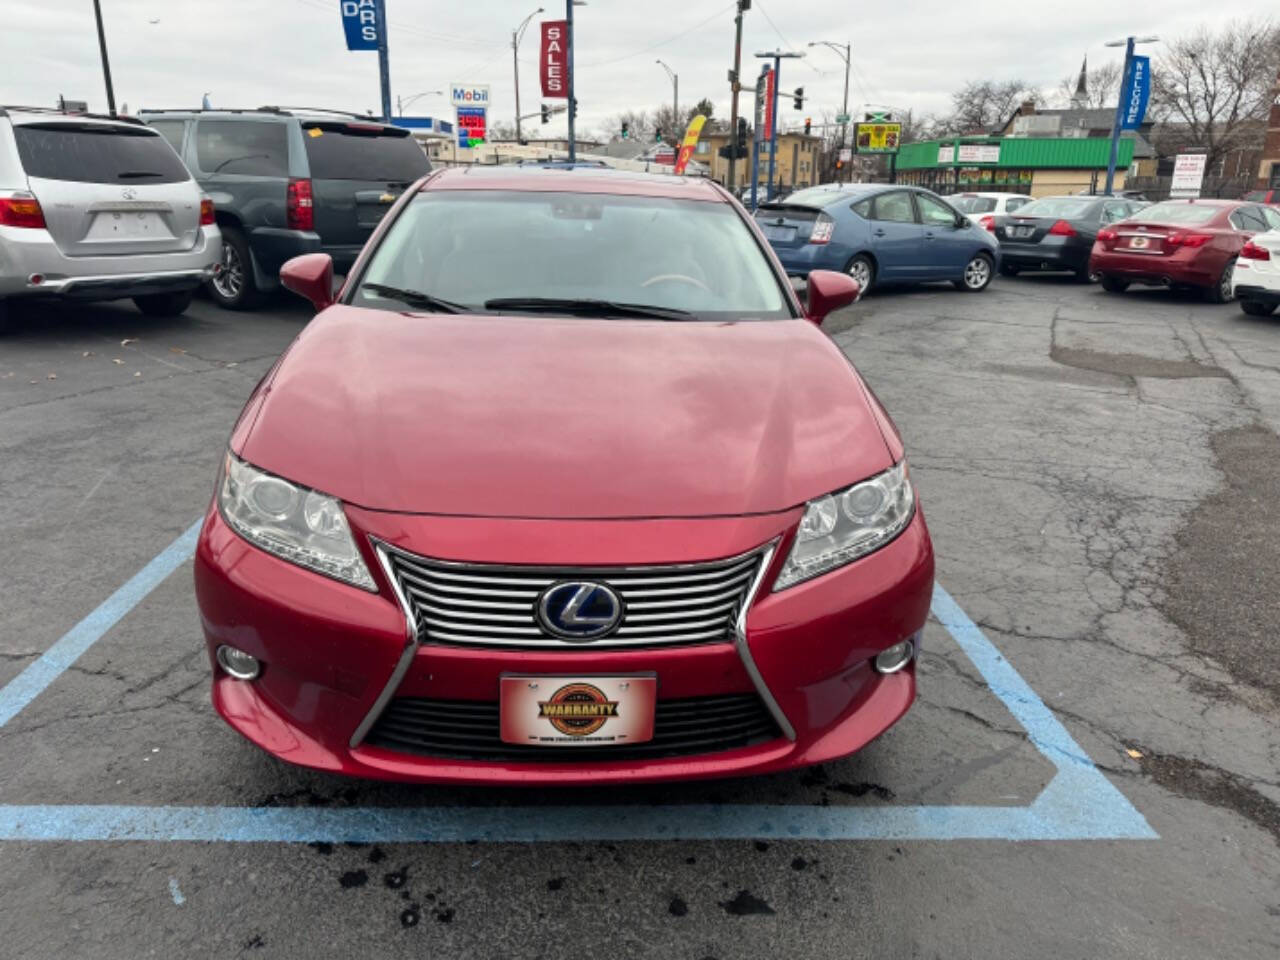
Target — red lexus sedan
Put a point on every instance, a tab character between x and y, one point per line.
565	486
1177	243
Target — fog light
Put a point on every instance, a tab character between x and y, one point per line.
895	658
35	279
241	665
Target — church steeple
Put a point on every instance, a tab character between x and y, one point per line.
1080	99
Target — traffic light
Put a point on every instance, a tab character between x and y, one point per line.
657	135
546	113
799	98
626	130
742	150
808	125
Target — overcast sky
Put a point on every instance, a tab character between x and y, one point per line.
906	54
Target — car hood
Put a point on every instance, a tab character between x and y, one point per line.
531	416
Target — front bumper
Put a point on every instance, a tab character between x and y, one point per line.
25	253
330	650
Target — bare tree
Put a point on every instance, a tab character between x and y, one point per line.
1102	86
981	106
639	125
501	130
1208	87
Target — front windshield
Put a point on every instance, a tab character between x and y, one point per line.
972	204
472	247
1067	207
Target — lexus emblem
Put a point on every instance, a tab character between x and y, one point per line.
579	610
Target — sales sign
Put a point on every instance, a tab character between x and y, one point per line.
1188	175
978	153
765	89
360	22
1135	93
554	60
471	126
690	141
877	137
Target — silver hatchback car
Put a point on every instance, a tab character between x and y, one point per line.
96	208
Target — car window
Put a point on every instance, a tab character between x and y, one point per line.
863	208
1272	217
1175	211
1114	211
815	196
973	204
471	246
894	207
934	212
352	151
1251	219
250	147
1065	207
97	153
1016	202
171	130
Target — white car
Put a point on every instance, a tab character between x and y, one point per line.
983	208
1256	278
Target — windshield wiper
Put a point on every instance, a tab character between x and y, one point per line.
137	174
416	298
588	307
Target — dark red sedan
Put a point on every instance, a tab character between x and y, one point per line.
1177	243
564	486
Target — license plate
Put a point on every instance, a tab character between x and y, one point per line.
1139	243
577	711
782	234
117	225
1021	231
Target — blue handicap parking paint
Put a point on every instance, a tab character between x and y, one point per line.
1079	803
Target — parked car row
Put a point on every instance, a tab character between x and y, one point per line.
149	208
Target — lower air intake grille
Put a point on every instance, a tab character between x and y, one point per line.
468	730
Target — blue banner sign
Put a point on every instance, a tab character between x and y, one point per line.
360	21
1135	93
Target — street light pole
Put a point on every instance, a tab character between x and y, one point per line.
675	96
384	67
516	36
1114	155
106	65
402	103
847	53
573	100
735	85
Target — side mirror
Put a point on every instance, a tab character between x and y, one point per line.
962	222
310	276
829	291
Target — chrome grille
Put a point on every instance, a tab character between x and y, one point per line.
461	603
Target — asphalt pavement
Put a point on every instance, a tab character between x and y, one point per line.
1091	769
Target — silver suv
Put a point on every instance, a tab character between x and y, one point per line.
95	208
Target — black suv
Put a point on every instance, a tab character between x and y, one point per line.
286	181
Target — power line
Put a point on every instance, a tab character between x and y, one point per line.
661	43
785	42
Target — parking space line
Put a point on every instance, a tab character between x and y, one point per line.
29	684
1078	803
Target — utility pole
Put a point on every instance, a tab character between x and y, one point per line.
106	64
777	56
1114	156
384	68
675	98
735	85
573	100
516	36
847	53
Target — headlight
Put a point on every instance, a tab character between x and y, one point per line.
296	524
843	526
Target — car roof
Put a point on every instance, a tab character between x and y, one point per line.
573	179
986	193
21	115
1206	201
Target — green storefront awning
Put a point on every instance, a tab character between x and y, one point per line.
1039	153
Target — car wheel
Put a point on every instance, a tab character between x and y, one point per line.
233	288
977	274
1252	307
165	304
1114	285
1008	270
1221	291
862	271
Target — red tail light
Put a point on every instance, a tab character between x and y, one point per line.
299	211
1062	229
988	222
1185	238
823	229
206	212
21	210
1107	237
1251	251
